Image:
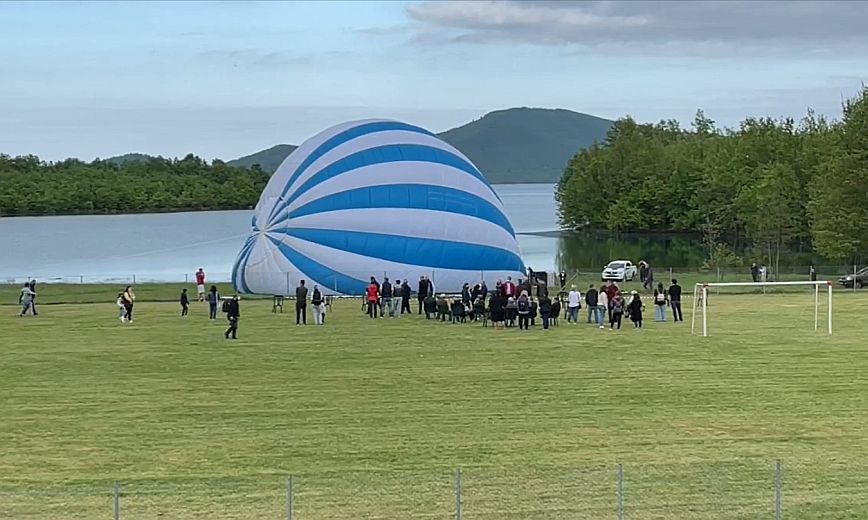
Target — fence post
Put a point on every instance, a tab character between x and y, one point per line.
778	486
117	501
620	494
458	494
289	498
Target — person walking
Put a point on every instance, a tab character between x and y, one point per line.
574	304
386	298
616	312
372	294
522	308
635	309
675	301
185	302
32	286
661	300
233	314
200	285
602	307
405	297
301	304
129	301
316	302
213	300
592	300
545	310
26	300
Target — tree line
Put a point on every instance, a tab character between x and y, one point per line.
29	186
768	183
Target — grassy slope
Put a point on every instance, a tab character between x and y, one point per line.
372	417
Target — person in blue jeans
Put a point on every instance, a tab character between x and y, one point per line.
592	298
213	300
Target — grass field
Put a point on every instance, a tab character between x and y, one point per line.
373	417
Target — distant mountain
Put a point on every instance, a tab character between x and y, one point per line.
526	144
268	159
120	160
509	146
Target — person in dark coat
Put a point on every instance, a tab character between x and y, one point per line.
483	290
422	292
233	314
635	309
545	310
675	300
465	295
386	298
405	298
301	304
185	302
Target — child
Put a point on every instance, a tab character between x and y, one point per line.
122	310
185	302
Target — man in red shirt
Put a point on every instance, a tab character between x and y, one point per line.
200	285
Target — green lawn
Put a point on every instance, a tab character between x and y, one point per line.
373	417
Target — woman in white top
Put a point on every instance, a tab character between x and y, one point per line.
574	303
603	305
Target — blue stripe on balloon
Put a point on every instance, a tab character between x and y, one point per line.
341	138
323	276
427	252
241	264
382	155
409	196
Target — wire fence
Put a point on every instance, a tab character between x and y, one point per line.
742	489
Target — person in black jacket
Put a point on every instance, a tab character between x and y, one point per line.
545	310
591	299
301	304
635	309
675	300
405	297
422	293
185	302
386	298
233	313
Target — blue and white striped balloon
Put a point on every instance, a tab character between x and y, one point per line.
374	198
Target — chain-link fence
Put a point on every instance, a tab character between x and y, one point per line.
741	489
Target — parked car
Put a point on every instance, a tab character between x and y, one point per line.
619	271
859	279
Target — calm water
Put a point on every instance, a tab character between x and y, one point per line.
165	247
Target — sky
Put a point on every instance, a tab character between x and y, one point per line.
225	79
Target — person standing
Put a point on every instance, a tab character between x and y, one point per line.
754	272
675	300
395	310
522	308
405	297
233	314
661	300
386	298
26	300
33	302
635	309
483	290
185	302
545	310
301	304
316	302
129	301
616	312
213	300
649	278
592	300
122	310
602	307
509	288
372	294
574	303
200	285
422	292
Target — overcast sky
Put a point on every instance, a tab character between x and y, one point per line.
224	79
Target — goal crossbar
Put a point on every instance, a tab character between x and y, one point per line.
700	298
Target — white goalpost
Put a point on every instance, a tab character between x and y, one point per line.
700	299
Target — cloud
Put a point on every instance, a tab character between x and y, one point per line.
801	26
259	57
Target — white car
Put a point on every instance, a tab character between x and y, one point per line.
619	271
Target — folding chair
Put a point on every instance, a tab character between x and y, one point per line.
277	304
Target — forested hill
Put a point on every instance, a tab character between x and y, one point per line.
769	183
509	146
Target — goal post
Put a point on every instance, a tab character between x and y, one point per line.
700	300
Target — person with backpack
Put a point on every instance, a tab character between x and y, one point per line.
675	300
522	309
616	311
372	295
185	302
661	300
233	314
213	300
635	309
316	302
545	310
592	299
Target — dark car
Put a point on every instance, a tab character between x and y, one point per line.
859	279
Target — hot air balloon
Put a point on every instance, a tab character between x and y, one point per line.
376	198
